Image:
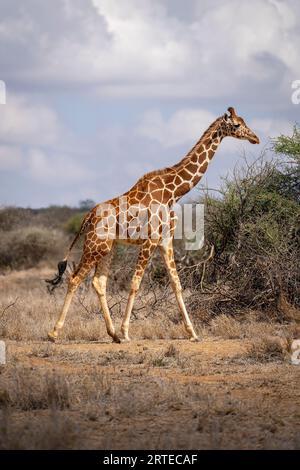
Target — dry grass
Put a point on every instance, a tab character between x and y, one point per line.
226	327
249	327
267	348
125	403
28	312
85	392
51	431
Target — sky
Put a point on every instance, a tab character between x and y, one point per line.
99	92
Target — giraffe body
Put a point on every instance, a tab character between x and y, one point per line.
151	221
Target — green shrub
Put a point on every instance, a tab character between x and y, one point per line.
74	223
255	230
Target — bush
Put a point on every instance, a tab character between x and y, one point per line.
74	223
24	248
255	231
13	217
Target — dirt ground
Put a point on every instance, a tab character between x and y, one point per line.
148	394
236	389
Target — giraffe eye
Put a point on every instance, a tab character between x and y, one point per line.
236	126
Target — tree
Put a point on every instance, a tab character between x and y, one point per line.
289	146
86	204
289	177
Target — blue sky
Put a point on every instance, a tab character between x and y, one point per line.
101	91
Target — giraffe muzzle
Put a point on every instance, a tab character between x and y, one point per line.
253	139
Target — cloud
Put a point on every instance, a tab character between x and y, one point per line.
271	127
183	127
10	157
142	48
36	144
25	123
56	169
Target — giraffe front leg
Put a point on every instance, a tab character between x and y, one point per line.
186	319
143	258
135	284
99	283
168	257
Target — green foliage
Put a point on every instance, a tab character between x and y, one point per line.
255	229
289	145
74	223
288	179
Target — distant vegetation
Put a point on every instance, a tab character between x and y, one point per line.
32	236
29	237
74	223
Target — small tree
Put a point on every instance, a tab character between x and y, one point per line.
289	178
86	204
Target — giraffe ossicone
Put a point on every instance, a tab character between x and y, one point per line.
144	216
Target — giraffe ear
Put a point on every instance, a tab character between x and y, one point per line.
225	117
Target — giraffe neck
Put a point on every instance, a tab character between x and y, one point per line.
190	170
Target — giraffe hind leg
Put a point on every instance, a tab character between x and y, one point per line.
75	280
99	284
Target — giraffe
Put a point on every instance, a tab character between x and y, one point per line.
159	189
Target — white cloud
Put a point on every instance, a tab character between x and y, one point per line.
183	127
25	123
142	48
270	128
36	143
56	169
10	157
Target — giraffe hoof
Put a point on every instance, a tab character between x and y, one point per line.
116	339
125	340
52	336
195	339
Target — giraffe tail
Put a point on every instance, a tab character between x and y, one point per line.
62	265
53	283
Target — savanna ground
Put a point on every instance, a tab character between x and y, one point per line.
234	389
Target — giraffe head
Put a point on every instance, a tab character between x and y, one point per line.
235	126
